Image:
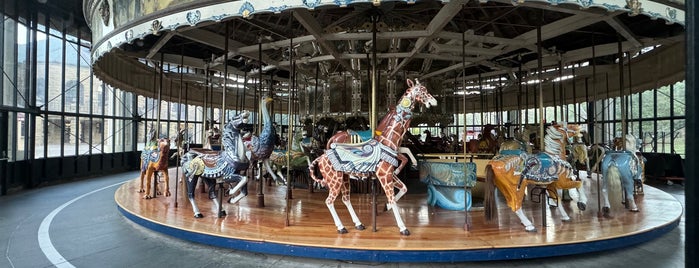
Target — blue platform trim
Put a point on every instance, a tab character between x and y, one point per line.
417	256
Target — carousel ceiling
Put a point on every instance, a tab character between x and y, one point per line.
453	46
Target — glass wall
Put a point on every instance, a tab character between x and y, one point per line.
58	108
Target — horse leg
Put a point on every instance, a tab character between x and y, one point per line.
346	200
191	184
403	161
402	189
564	214
333	181
628	189
242	186
582	196
166	176
149	175
269	170
605	194
143	174
386	178
528	226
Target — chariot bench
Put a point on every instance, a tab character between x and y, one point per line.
449	184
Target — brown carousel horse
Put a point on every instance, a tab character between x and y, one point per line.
154	159
376	157
512	172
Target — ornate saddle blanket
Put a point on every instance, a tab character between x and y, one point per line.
360	158
544	168
208	157
148	156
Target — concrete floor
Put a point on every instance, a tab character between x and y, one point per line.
76	224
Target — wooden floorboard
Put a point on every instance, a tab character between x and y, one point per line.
432	229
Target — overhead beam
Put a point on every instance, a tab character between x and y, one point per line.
218	41
313	27
159	44
442	18
623	30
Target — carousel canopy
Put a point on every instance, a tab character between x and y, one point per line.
460	49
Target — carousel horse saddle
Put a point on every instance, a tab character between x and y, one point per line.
209	157
361	157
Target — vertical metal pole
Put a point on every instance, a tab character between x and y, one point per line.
157	120
540	76
260	183
622	97
467	224
179	128
372	109
290	127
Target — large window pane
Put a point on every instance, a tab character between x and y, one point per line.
21	133
71	136
680	137
85	74
84	136
9	62
41	64
678	101
98	89
55	88
55	134
39	138
108	136
663	101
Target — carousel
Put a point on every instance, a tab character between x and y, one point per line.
323	100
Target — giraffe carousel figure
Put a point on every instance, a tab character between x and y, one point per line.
376	158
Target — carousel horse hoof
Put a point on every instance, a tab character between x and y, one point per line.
360	227
405	232
147	197
582	206
566	220
222	214
634	210
159	193
532	230
198	215
167	193
141	190
342	231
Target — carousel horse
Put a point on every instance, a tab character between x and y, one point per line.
210	165
487	142
294	159
578	157
376	157
622	168
513	171
154	159
260	148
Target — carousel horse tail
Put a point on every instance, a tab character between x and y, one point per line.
613	177
489	203
312	168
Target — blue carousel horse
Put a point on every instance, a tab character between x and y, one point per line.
512	171
622	168
211	165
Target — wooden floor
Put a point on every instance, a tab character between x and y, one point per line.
436	234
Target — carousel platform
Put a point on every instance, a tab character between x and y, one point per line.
437	235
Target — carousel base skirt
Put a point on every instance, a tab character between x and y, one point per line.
303	226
